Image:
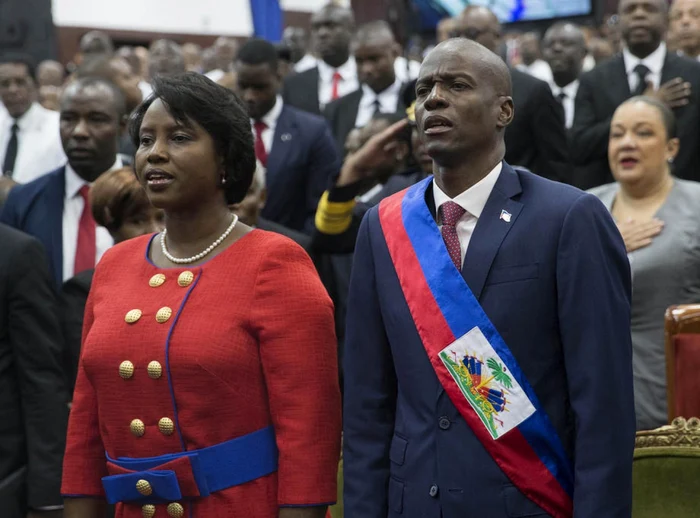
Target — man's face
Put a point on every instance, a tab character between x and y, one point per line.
258	86
529	48
225	50
564	50
684	23
375	64
16	88
165	59
295	39
642	23
128	82
482	28
90	129
331	32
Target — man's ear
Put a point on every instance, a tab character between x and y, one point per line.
507	112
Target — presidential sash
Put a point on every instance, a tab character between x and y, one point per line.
472	362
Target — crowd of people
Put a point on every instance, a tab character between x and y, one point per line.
216	260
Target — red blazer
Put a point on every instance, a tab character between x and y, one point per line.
251	344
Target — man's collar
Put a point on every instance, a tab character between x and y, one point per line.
369	95
474	199
28	119
347	70
75	182
654	61
570	90
270	118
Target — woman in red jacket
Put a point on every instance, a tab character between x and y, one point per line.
207	384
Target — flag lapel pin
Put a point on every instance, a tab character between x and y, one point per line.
505	216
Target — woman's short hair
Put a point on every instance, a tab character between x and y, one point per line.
194	97
116	196
667	116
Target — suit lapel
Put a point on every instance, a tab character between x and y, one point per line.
49	230
312	90
668	71
282	142
619	82
491	229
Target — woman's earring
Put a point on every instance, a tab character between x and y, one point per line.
670	160
223	179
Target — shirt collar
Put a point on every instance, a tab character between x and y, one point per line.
570	90
347	70
654	61
474	199
74	182
270	118
388	94
29	118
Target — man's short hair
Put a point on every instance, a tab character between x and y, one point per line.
17	58
258	52
88	82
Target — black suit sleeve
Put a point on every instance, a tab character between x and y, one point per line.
589	136
324	164
72	308
549	131
34	335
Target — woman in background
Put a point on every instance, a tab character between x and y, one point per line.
659	218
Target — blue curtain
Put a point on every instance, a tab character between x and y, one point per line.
267	19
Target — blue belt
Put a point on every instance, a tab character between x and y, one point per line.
192	474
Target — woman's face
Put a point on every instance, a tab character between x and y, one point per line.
177	164
639	149
146	221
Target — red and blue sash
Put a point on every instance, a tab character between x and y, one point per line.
471	360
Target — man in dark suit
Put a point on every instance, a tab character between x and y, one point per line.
54	208
33	400
335	74
375	51
536	139
488	340
644	67
296	148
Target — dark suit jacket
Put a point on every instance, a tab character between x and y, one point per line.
37	209
536	139
555	282
302	160
301	91
602	90
72	299
33	401
300	239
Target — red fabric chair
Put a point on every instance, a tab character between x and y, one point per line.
682	325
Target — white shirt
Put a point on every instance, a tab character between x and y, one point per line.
72	210
569	91
654	62
406	70
348	83
588	63
215	74
39	149
270	118
388	102
146	89
306	63
473	200
539	69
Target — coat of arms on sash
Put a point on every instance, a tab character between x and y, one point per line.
486	383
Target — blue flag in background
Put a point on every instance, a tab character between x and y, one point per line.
267	19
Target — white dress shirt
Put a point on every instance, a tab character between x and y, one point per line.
306	63
146	89
215	74
388	102
406	70
473	200
654	62
539	69
72	210
348	83
270	119
569	92
39	148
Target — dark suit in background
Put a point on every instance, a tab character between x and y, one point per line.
72	300
33	402
602	90
301	91
300	164
537	138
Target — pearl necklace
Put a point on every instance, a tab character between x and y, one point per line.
202	254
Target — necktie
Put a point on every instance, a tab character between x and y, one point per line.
376	107
337	78
450	213
8	165
87	248
560	97
260	152
642	72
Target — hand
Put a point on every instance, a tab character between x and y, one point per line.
638	234
45	514
375	152
6	183
674	93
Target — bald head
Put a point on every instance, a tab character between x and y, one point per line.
480	24
564	49
50	73
377	32
375	51
96	43
332	27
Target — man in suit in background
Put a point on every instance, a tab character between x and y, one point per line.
33	399
482	281
684	26
644	68
536	139
54	208
335	73
375	51
296	148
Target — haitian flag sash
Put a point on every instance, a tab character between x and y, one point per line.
471	360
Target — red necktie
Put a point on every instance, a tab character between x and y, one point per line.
337	78
450	214
260	152
87	247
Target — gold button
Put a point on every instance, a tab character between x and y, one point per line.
166	426
164	314
157	280
126	369
143	487
148	511
133	316
185	279
175	510
154	370
138	428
